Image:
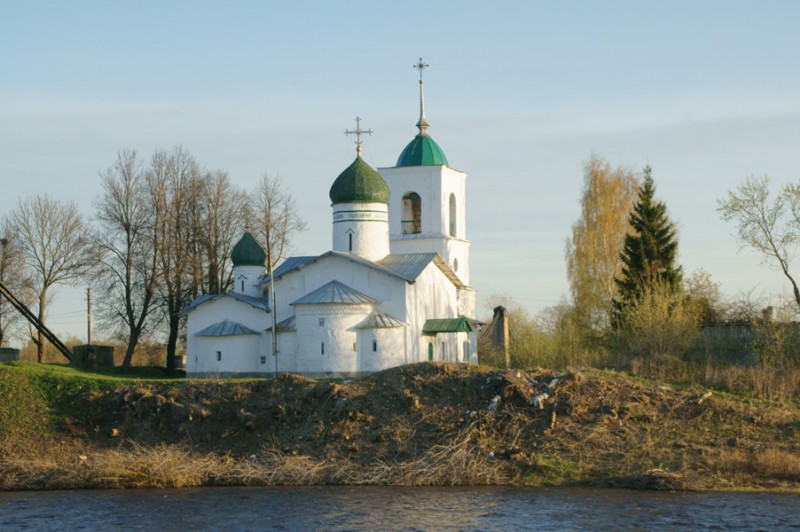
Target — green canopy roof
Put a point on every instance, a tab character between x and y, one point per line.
248	252
359	182
447	325
422	151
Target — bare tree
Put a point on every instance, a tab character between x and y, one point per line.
54	245
15	278
128	241
771	227
275	218
173	185
221	223
593	252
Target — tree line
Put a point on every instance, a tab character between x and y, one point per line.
633	306
160	235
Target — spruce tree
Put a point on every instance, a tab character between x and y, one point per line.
649	254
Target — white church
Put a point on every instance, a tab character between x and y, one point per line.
393	290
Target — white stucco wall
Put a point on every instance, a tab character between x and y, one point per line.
435	185
240	353
361	229
327	337
246	278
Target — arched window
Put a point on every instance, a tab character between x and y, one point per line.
453	215
412	214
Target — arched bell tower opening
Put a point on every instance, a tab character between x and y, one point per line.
453	216
412	213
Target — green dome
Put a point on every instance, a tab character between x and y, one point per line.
422	151
247	252
359	183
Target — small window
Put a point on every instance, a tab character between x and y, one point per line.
219	355
242	286
444	351
322	322
350	242
263	360
355	346
322	348
374	346
455	265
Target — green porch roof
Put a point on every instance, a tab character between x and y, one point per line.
422	151
447	325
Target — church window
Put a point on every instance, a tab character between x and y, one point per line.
242	285
219	355
453	215
322	322
412	214
444	350
263	360
430	351
374	346
466	351
455	265
350	242
355	346
322	348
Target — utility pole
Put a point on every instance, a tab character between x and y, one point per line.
3	243
88	316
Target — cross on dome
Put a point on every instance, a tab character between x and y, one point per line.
358	132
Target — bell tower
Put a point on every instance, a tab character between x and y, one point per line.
428	199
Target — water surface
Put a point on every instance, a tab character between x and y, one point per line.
388	508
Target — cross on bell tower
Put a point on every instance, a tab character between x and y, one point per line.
358	132
423	122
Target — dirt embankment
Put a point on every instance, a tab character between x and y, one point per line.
430	423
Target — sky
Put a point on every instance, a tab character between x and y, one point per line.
519	94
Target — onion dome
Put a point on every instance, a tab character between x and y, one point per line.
359	182
248	252
422	151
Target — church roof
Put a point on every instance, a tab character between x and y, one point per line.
248	252
260	303
377	320
226	328
359	182
407	266
287	325
422	151
335	293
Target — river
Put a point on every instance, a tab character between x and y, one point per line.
395	508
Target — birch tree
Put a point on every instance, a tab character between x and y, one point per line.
770	226
593	251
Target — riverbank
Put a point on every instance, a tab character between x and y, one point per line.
425	424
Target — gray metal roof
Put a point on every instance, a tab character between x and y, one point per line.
288	265
261	303
377	320
336	293
226	328
406	266
287	325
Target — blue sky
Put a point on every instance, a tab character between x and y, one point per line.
518	94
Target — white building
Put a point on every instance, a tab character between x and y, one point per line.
393	290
